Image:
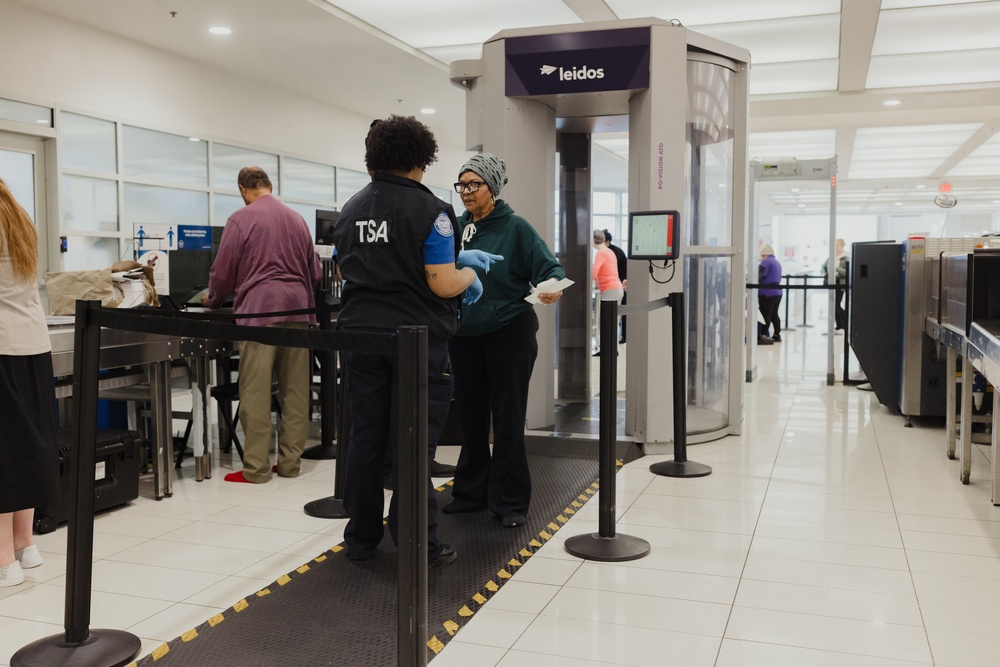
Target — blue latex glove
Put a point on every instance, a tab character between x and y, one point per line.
478	259
473	291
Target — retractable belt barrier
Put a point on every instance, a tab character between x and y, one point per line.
606	545
844	285
80	645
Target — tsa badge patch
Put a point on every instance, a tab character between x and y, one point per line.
443	225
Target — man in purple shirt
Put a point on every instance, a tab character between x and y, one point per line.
267	263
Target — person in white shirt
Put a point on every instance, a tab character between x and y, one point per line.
29	454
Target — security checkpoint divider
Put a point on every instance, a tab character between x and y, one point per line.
82	646
606	545
680	466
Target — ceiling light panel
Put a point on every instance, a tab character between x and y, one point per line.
695	14
782	40
803	145
905	152
448	22
934	69
805	77
903	4
962	27
982	161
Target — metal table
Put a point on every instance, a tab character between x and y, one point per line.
140	356
983	355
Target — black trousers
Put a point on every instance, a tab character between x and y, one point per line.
374	427
491	386
840	315
769	311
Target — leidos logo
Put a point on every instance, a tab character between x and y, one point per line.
575	73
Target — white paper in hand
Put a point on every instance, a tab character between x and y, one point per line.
550	286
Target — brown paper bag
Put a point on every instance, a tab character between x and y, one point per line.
64	288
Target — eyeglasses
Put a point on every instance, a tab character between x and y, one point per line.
471	186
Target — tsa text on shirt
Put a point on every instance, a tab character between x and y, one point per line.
372	231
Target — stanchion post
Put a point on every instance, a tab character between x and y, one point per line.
332	507
79	645
605	545
788	300
680	466
805	300
327	393
412	490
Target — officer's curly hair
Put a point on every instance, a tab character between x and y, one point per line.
399	143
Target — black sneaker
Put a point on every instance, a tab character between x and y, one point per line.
514	521
764	340
776	338
446	557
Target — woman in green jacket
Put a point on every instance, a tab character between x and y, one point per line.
494	350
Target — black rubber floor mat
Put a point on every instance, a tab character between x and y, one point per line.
333	611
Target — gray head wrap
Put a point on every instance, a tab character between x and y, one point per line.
490	167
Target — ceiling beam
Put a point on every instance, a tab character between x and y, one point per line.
591	10
844	149
858	21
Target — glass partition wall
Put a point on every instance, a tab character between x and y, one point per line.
708	247
113	176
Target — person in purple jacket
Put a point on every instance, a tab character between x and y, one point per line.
768	298
267	262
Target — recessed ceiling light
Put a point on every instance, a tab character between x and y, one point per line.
428	110
794	189
921	187
219	30
892	103
802	205
43	121
899	203
193	139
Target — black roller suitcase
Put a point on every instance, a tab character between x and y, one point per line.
116	477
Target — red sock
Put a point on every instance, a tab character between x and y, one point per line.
237	477
274	468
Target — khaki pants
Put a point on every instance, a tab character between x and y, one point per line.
258	365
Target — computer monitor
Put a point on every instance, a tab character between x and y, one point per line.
653	235
188	273
325	221
189	269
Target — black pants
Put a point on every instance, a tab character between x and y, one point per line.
769	311
840	315
491	384
624	302
374	428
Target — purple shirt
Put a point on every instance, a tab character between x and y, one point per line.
267	262
770	272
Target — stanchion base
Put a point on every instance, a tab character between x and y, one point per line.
680	469
103	648
320	452
326	508
612	549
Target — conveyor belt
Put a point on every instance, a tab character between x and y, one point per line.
333	611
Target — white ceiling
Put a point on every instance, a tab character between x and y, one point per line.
821	70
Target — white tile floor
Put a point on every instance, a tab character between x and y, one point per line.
827	535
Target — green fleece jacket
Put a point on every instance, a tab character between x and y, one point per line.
526	261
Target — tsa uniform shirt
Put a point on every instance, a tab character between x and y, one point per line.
385	235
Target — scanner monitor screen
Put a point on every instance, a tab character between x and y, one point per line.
653	235
325	222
